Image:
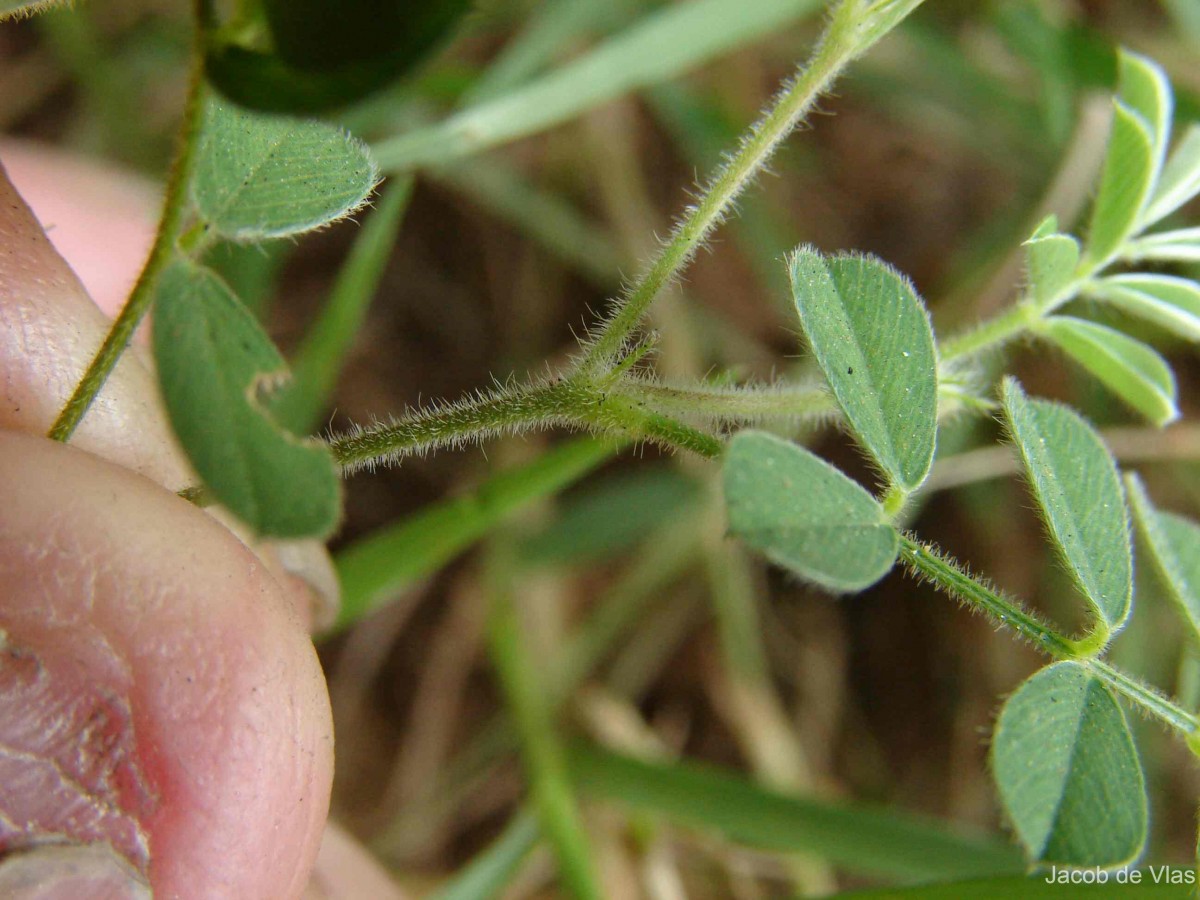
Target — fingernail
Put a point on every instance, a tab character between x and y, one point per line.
68	872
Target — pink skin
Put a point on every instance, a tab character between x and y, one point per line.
159	697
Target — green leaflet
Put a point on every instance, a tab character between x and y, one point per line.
1144	88
1166	300
1173	545
1068	771
1132	370
1051	260
1075	483
872	338
217	368
1180	178
260	176
324	55
805	515
1125	184
318	36
1180	245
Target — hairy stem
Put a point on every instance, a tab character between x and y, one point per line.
854	27
142	297
926	562
1150	700
733	404
560	402
990	335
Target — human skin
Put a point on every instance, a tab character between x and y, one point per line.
164	722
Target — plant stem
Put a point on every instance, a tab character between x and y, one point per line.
733	404
559	402
854	27
1146	697
990	335
142	296
928	563
455	424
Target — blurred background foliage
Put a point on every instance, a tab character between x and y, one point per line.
642	629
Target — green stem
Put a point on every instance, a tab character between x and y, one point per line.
990	335
570	402
733	404
612	412
1025	316
854	27
928	563
456	424
1146	697
142	297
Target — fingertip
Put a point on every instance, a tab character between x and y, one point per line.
185	694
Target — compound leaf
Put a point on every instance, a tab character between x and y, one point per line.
216	368
1068	771
1074	480
262	176
872	338
1173	544
1132	370
805	515
1125	184
1166	300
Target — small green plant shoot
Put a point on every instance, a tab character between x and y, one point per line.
257	167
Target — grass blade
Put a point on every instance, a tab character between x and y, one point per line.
542	753
861	838
380	565
489	873
659	47
319	358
